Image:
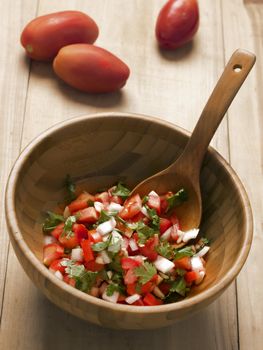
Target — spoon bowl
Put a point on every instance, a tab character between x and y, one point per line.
185	171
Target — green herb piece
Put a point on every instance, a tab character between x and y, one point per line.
121	191
85	280
71	188
111	289
115	243
104	216
67	230
145	233
98	247
165	249
51	221
115	264
145	199
172	298
180	272
179	286
154	217
145	272
181	253
117	278
90	203
177	199
118	218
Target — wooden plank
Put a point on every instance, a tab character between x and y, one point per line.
173	86
245	127
13	91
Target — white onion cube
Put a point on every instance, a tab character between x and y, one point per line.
106	227
196	263
132	298
49	240
114	207
113	298
162	264
203	251
98	206
77	254
191	234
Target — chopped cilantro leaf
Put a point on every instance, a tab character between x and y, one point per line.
121	191
71	188
90	203
104	216
179	286
98	247
181	253
154	217
145	272
165	249
144	233
115	264
180	272
177	199
114	288
52	221
67	230
145	199
85	280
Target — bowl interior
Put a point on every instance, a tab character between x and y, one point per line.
97	151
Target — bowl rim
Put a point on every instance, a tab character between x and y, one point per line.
14	231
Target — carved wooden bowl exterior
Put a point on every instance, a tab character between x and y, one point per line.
97	151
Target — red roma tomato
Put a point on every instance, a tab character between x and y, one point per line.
90	68
81	202
43	37
132	207
177	23
52	252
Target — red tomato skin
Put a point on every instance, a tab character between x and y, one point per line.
90	68
81	202
58	230
56	266
151	300
52	252
87	250
68	242
148	249
132	207
164	225
190	276
183	263
129	263
93	266
80	231
130	277
87	215
177	23
69	280
44	36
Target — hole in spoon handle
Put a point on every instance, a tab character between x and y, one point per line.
223	94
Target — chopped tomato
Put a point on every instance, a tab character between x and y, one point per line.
81	231
69	280
164	225
129	263
102	197
148	249
94	236
138	302
190	276
87	216
132	206
151	300
175	221
139	217
130	277
154	202
116	199
164	287
52	252
69	241
148	286
80	202
183	263
58	230
87	250
93	266
56	266
131	288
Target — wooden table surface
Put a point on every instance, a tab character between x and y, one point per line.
173	86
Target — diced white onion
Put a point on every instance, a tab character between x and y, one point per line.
203	251
196	263
49	240
144	211
105	257
106	227
200	278
112	207
191	234
77	254
133	245
153	193
132	298
66	212
180	238
162	264
116	242
113	298
158	292
98	206
59	275
110	274
99	260
166	235
139	258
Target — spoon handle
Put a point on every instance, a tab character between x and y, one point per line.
224	92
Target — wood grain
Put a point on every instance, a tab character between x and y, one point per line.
175	87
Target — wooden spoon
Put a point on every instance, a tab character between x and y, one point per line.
185	171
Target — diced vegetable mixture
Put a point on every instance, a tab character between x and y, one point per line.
124	249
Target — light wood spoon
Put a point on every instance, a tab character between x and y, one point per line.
185	171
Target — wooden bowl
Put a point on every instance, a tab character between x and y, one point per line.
97	151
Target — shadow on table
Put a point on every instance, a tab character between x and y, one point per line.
44	71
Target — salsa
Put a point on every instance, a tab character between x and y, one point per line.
124	249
